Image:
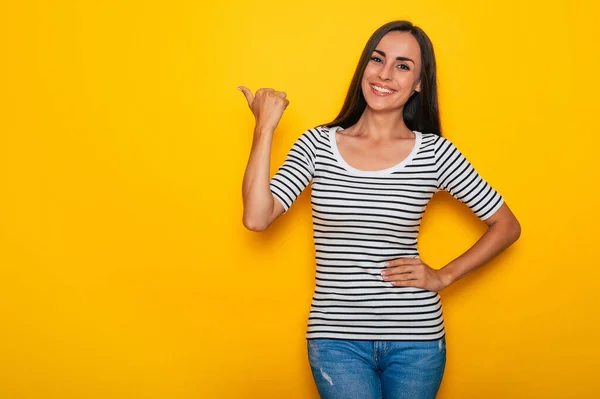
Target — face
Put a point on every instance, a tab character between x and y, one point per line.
392	74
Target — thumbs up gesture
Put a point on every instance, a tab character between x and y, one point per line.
267	105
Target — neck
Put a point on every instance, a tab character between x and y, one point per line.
382	125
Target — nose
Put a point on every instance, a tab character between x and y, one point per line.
385	72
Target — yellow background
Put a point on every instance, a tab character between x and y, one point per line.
125	271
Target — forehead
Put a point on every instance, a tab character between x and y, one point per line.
399	43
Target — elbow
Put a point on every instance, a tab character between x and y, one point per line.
515	230
254	225
509	229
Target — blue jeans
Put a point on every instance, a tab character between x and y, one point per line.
348	369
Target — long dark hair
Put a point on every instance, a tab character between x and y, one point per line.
421	111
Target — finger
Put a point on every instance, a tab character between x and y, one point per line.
398	270
247	94
406	283
264	90
280	94
401	277
402	261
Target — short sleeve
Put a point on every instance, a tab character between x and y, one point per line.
297	170
456	175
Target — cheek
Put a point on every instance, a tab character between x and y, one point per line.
408	83
366	75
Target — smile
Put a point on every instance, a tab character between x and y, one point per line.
381	90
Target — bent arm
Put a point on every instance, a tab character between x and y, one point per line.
260	206
503	230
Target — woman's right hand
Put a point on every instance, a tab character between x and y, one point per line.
267	105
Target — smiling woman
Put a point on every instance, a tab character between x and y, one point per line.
376	326
405	47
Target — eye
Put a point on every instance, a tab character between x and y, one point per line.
404	67
376	59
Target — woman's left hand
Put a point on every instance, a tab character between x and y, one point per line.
412	272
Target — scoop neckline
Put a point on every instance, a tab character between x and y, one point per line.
380	172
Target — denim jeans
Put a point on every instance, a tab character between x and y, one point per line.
348	369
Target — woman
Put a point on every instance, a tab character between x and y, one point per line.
375	327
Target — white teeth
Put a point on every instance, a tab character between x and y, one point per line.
381	89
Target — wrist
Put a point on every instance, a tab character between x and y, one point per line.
446	276
262	130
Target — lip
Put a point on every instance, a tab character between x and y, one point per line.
377	93
382	86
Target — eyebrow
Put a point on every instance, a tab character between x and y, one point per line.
398	58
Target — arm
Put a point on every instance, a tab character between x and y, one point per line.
457	176
503	230
260	207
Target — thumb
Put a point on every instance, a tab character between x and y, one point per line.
247	94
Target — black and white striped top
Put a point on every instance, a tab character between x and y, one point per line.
362	219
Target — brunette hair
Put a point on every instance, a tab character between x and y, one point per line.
421	111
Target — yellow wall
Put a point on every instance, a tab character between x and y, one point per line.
125	271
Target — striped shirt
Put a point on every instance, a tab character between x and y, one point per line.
362	219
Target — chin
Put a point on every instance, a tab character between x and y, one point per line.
381	103
379	107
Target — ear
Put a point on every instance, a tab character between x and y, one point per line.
418	86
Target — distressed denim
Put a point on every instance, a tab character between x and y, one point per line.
349	369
